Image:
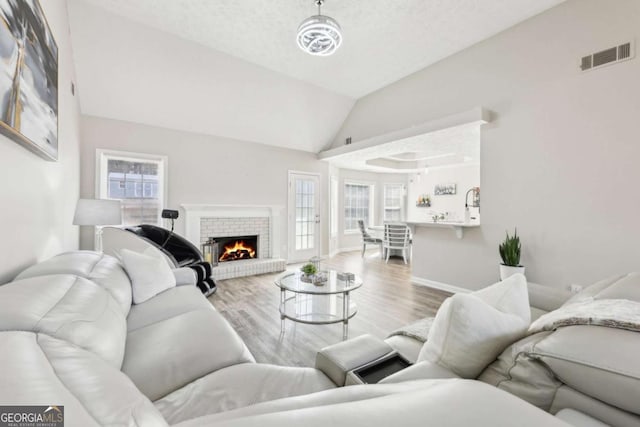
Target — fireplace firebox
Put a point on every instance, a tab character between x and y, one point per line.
236	248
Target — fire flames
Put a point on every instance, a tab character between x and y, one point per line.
237	250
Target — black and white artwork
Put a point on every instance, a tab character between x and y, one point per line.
445	189
28	78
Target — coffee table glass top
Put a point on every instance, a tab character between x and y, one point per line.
292	282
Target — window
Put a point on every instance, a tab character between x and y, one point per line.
358	205
138	180
305	198
393	202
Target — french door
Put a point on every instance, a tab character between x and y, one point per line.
304	216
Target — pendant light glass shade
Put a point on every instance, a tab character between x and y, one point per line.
319	35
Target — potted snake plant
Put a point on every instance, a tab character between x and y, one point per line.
510	250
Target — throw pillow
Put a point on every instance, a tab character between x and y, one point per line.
149	275
471	330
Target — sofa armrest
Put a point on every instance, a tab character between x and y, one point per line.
338	359
420	371
185	276
546	298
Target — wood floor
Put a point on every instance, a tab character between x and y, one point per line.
386	301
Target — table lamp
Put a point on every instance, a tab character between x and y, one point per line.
98	212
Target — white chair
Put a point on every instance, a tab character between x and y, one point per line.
397	237
367	238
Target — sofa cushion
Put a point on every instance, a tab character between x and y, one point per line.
597	361
69	308
149	275
566	397
620	286
28	378
471	330
451	403
520	374
239	386
625	287
164	356
420	371
408	347
102	269
168	304
39	369
576	418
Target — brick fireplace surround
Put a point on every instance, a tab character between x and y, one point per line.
204	221
233	226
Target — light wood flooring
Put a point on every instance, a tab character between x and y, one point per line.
386	301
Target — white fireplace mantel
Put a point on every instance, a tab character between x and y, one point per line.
276	214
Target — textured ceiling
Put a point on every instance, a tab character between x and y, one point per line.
384	40
131	72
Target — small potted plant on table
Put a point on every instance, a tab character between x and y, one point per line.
311	274
510	251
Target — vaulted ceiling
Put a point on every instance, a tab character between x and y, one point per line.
231	68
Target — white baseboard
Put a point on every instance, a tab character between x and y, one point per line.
333	253
439	285
351	249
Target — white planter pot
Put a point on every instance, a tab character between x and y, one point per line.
507	270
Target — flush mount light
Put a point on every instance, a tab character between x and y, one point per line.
319	35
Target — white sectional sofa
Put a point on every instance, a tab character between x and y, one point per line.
591	367
70	336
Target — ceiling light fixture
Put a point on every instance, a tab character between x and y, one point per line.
319	35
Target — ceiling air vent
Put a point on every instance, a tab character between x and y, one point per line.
624	51
609	56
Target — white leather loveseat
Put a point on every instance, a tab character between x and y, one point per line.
69	335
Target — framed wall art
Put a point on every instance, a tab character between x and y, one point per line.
29	78
445	189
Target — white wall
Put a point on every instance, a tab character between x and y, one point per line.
39	197
203	169
127	71
465	176
349	240
560	161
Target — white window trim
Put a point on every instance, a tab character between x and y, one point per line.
372	204
402	201
291	208
101	167
334	206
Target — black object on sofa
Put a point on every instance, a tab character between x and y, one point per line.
176	247
179	250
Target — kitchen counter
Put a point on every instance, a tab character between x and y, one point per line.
457	226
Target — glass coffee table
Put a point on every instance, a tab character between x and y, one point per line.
317	304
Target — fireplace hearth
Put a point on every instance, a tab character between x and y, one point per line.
236	248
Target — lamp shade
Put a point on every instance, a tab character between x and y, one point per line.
98	212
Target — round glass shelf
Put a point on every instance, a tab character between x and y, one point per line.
292	282
304	308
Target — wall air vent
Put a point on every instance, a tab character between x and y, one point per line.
609	56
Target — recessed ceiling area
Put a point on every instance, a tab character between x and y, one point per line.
455	146
384	40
